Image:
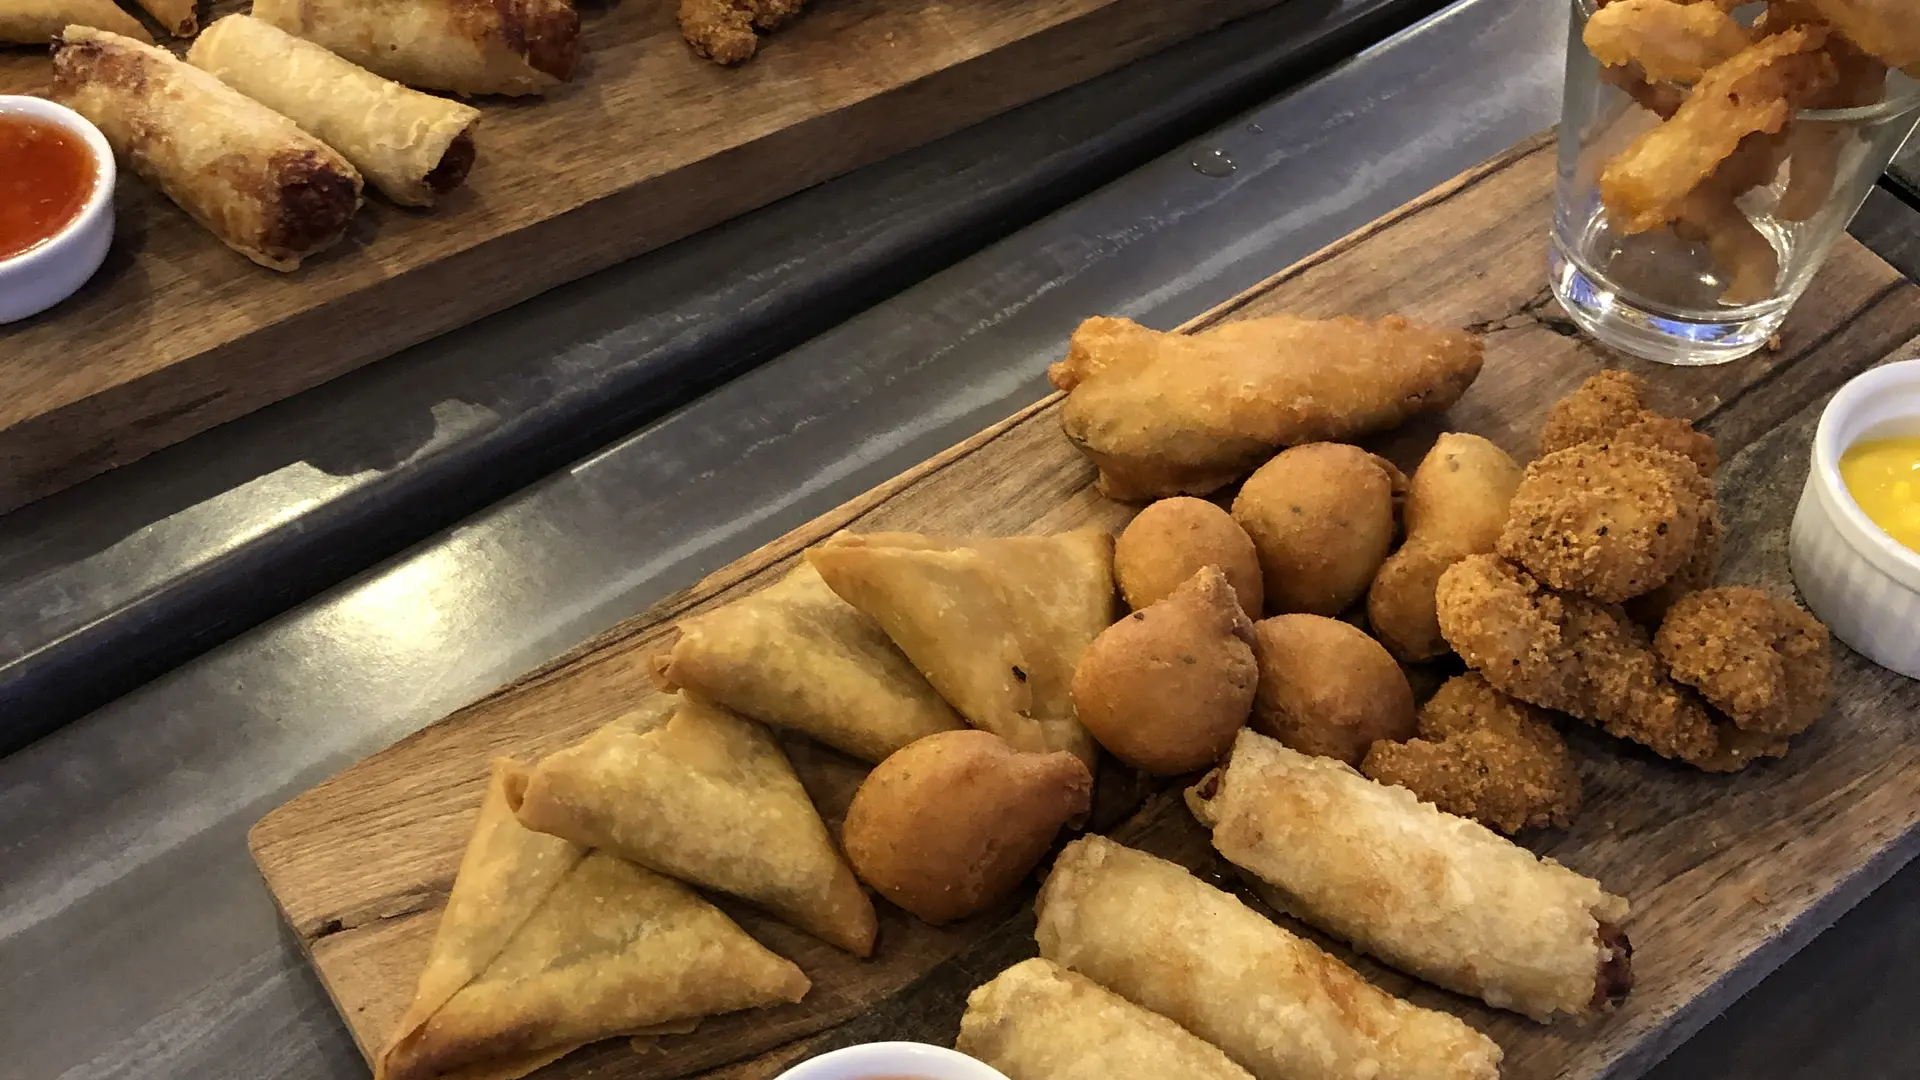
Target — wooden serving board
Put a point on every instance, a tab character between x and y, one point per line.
647	145
1727	875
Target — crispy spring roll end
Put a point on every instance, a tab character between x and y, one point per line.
454	164
1614	979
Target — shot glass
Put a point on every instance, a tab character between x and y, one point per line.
1662	294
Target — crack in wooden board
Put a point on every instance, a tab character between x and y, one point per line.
1728	875
648	145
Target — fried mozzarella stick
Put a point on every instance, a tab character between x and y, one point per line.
1185	414
414	147
1647	185
1153	933
508	47
1038	1021
1435	895
264	187
37	22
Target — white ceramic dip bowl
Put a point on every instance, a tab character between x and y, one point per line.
49	272
892	1061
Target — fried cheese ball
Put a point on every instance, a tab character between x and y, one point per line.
1322	520
1170	540
1485	756
1756	657
1328	689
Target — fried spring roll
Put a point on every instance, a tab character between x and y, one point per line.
508	47
1163	939
37	22
414	147
264	187
1038	1021
1433	894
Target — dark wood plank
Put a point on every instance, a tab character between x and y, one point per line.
648	145
1725	873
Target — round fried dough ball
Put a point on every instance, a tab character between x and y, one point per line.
1328	689
1756	657
1166	688
1321	519
947	825
1171	539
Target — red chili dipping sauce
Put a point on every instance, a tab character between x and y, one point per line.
46	175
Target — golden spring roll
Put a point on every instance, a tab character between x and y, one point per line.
414	147
261	185
1038	1021
37	22
1153	933
1435	895
796	656
708	797
506	47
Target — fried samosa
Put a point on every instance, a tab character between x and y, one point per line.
1038	1021
37	22
996	624
796	656
694	791
1186	414
544	947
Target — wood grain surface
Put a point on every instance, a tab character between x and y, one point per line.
649	144
1727	875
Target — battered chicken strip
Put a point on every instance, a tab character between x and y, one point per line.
1607	520
1889	29
1756	657
1184	414
1611	407
1647	185
1485	756
727	31
1584	659
1671	42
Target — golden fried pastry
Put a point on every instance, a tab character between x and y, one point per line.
1322	521
1432	894
1607	520
1485	756
948	827
1171	539
690	789
1280	1007
1326	688
1166	688
997	624
1456	506
796	656
1585	659
1038	1021
1757	90
1186	414
1758	658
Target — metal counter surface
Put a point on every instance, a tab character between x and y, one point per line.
118	579
135	937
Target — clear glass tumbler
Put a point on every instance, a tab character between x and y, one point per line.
1660	295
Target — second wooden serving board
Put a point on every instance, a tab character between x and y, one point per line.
1727	875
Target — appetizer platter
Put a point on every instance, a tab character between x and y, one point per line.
1058	806
421	169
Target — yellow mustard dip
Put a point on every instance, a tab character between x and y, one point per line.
1883	476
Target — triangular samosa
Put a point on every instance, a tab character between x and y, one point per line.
544	948
796	656
996	624
708	797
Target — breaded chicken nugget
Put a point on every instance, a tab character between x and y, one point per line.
1485	756
1585	659
1607	520
1756	657
724	31
1610	407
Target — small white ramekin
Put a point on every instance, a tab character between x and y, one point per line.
1858	580
42	276
892	1061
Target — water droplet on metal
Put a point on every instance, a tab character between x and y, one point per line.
1212	161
